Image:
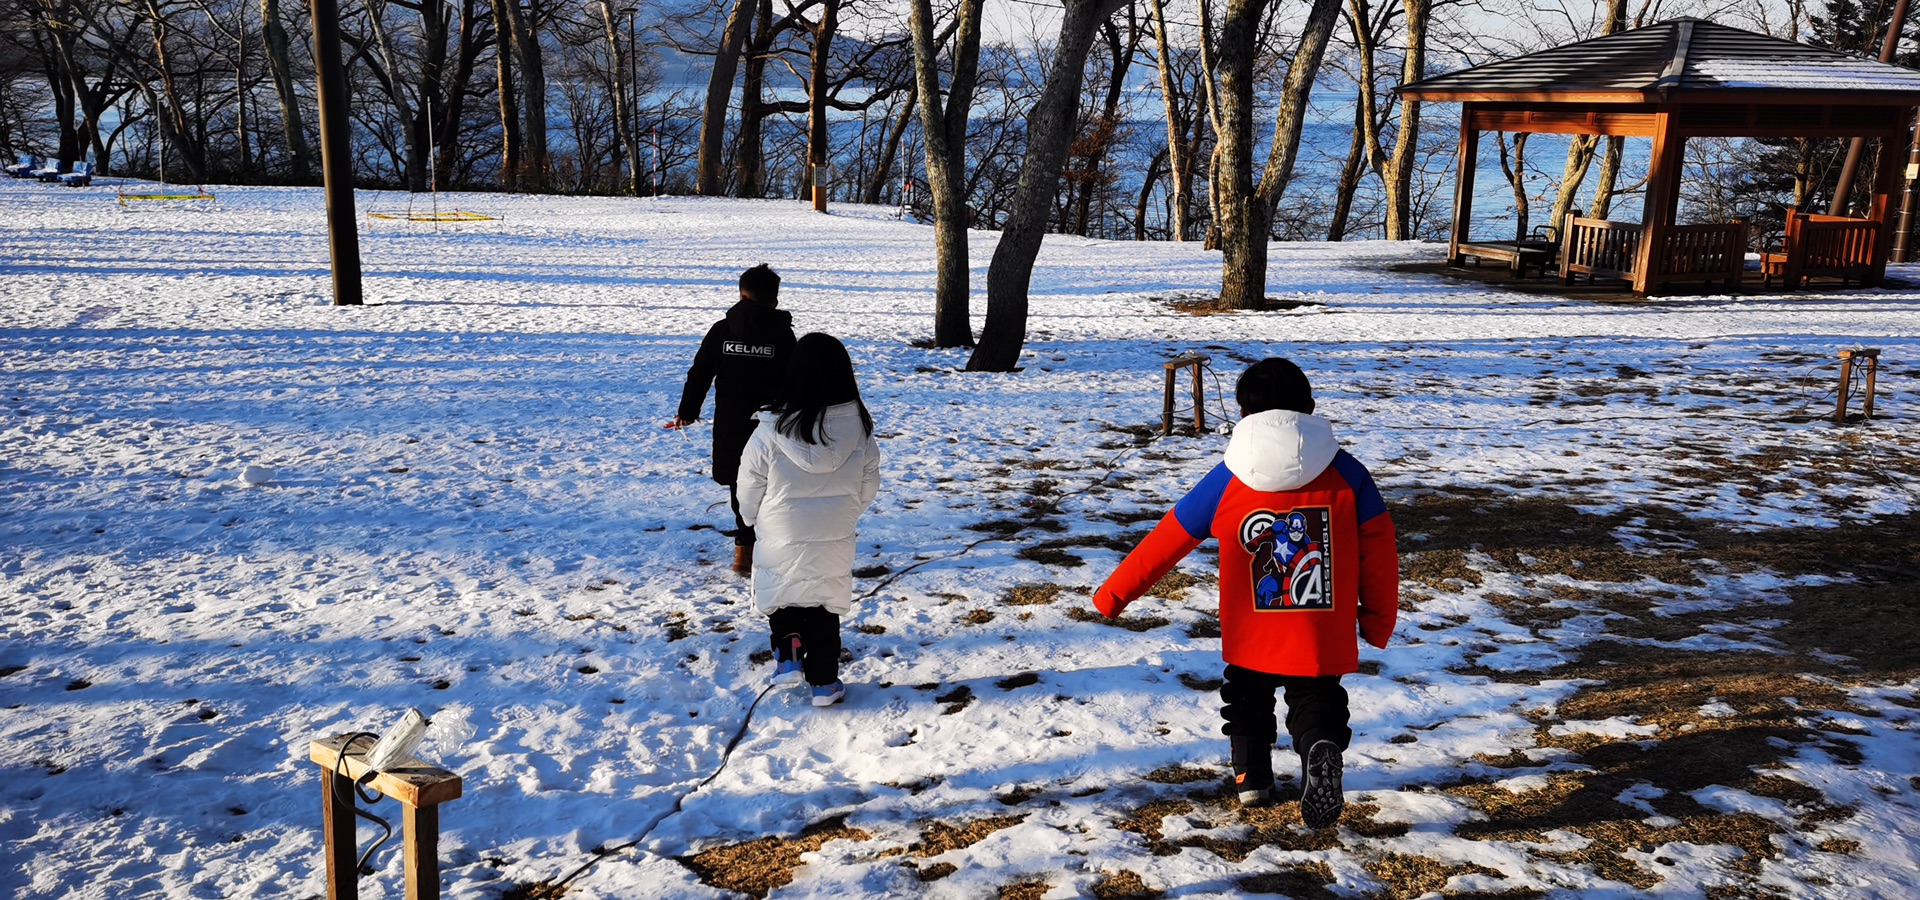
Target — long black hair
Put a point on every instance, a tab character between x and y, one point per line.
820	375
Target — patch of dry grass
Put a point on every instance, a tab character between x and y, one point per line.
1125	884
758	866
1032	594
1175	584
1130	623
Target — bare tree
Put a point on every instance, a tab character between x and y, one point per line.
1050	128
293	128
713	121
1246	210
943	119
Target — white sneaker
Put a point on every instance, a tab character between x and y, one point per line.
829	694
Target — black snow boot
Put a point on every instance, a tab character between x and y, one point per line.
1253	769
1322	796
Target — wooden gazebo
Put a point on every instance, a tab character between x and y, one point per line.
1675	80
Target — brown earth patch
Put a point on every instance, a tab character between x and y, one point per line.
1175	584
1584	803
1025	890
1032	593
939	837
1406	877
758	866
1130	623
1125	884
1301	882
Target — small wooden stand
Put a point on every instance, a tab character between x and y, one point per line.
1196	361
1868	359
419	787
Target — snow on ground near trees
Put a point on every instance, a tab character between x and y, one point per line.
1652	639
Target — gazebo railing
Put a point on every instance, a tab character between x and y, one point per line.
1702	253
1597	247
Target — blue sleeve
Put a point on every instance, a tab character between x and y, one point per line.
1195	511
1367	502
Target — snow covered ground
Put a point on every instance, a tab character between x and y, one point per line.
1656	640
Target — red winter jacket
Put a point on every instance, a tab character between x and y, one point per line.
1306	549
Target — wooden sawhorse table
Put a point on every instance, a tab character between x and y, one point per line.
419	787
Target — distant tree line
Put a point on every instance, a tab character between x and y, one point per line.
1118	119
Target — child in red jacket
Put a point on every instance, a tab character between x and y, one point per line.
1307	556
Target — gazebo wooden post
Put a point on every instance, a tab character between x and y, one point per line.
1663	196
1468	158
1887	184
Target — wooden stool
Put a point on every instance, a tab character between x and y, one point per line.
1870	360
419	787
1196	361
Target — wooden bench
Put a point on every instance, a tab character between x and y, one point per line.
419	787
1823	246
1539	252
1600	248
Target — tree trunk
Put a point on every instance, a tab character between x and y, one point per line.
1100	143
1178	159
1155	167
817	89
293	125
1400	165
1609	178
945	126
533	109
1350	174
510	163
435	26
1241	218
890	149
1514	165
710	179
622	114
1580	149
751	150
1296	93
413	173
453	110
171	111
1049	130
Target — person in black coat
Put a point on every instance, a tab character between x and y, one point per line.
744	358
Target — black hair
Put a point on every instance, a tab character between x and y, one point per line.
1273	383
761	285
820	375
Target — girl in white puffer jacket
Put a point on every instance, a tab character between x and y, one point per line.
810	469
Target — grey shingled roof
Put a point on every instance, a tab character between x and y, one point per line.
1676	56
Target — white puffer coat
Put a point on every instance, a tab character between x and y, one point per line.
803	500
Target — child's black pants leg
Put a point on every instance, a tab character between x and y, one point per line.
819	632
742	532
1316	710
1248	721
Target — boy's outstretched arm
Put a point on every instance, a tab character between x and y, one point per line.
1145	566
1179	531
699	378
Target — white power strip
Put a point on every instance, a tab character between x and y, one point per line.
398	744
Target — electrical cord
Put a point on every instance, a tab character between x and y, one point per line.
359	787
602	852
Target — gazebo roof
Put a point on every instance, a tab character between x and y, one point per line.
1679	60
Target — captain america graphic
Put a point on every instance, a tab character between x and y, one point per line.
1289	559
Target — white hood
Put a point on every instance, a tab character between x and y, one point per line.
1280	450
844	435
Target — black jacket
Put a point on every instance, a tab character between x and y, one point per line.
744	357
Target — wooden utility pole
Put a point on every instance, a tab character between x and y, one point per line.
1889	48
336	159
